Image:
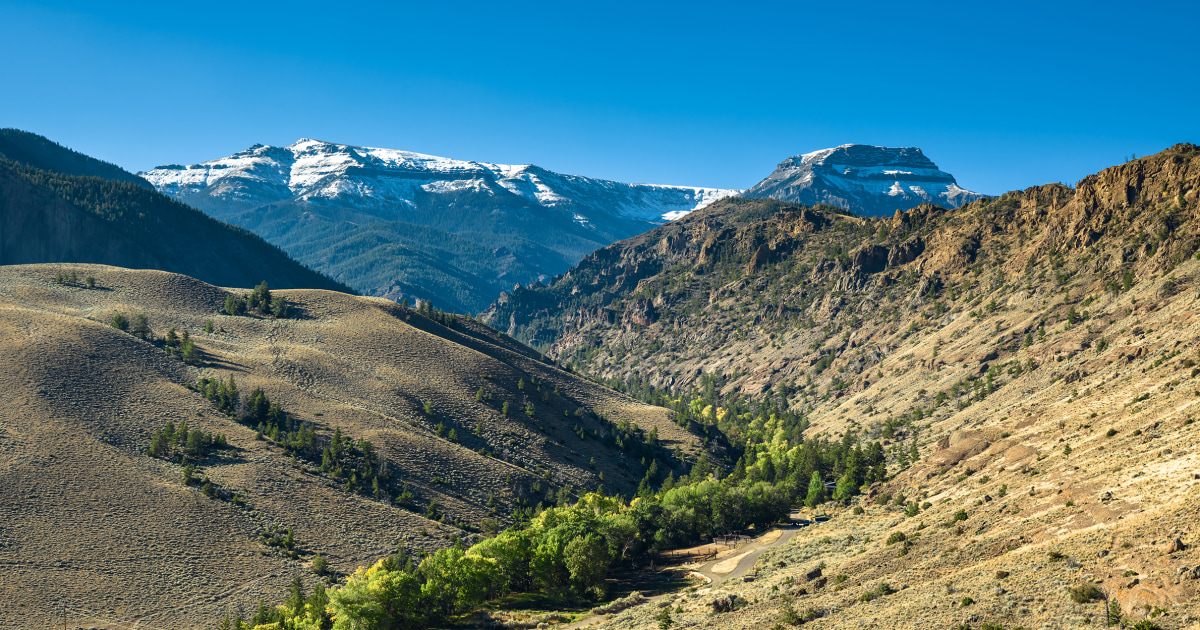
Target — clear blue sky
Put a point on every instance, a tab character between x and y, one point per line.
1003	95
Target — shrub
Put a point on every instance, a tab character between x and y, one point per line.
881	590
912	510
1110	433
966	601
856	511
1084	593
896	537
615	606
119	322
90	281
960	515
320	565
788	615
1145	624
1055	556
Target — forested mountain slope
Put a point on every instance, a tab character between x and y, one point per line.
93	212
42	153
348	429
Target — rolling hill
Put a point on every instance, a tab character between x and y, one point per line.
98	518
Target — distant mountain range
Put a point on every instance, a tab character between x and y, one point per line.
401	224
867	180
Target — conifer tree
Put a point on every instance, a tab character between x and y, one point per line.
295	600
141	326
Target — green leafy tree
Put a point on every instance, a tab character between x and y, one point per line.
816	491
587	558
378	598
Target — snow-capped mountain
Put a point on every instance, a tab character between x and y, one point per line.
865	179
389	181
402	224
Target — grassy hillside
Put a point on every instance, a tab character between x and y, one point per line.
98	515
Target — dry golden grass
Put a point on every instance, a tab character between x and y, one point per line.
88	521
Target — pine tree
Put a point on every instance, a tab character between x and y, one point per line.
295	600
141	326
119	322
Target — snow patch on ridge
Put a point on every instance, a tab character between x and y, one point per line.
322	171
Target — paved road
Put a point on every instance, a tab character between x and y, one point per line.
746	557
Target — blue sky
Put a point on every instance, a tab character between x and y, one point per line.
1002	95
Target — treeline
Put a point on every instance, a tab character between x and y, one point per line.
170	441
563	551
182	347
568	550
356	464
258	301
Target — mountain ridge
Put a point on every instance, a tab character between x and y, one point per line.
362	207
857	177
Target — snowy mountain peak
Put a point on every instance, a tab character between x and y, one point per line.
391	179
866	179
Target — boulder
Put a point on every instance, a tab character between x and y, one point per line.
725	603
